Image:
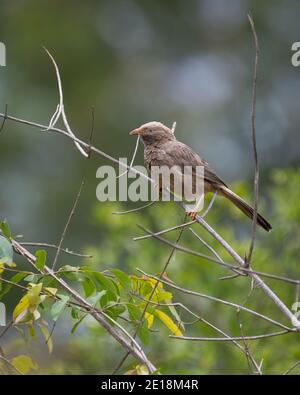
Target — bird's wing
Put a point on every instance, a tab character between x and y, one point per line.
182	155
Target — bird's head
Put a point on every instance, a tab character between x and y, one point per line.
153	132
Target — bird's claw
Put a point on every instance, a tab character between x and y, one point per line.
191	214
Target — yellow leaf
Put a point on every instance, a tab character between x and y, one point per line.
34	293
150	318
48	338
140	370
24	363
52	291
168	322
21	310
153	282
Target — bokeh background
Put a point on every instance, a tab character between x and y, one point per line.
135	61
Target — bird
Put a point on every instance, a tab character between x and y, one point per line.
161	148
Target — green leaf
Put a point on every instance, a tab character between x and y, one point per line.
74	313
88	287
134	312
72	273
96	298
115	311
6	251
143	332
24	364
5	229
105	283
41	256
47	337
32	278
75	326
59	306
123	278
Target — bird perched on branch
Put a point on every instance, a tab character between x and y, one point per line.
161	148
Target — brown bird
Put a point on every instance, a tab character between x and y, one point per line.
161	148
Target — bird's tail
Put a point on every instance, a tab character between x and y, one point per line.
244	207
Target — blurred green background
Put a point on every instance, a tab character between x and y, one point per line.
135	61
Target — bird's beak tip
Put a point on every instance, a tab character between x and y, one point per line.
135	132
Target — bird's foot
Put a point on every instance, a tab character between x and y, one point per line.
191	214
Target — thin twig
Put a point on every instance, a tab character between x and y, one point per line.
209	206
212	250
291	368
67	225
133	158
249	356
47	245
89	152
134	209
4	118
60	110
226	339
256	164
161	232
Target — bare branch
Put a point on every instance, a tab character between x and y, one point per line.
292	368
4	118
253	118
133	158
161	232
60	110
226	339
47	245
249	356
67	225
134	209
